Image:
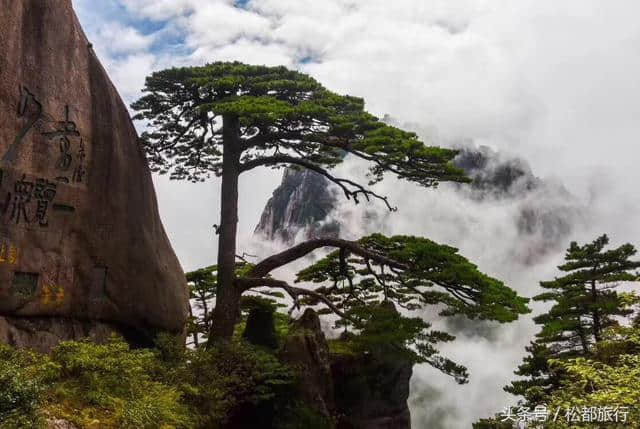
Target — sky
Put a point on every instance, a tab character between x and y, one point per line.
555	83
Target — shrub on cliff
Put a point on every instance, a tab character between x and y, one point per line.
229	382
111	386
22	384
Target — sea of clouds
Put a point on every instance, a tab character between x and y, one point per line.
555	83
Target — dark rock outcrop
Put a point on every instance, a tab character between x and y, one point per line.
82	247
44	333
372	388
495	176
371	392
547	212
260	329
306	350
357	391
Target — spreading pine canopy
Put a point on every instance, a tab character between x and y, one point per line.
282	117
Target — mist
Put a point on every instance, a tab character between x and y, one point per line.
552	83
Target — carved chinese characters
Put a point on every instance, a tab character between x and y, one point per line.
26	201
84	246
27	103
68	149
45	155
52	295
66	132
24	284
44	193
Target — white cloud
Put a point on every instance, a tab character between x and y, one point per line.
554	82
160	10
118	39
131	72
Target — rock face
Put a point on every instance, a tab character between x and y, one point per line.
371	392
372	389
495	176
355	391
260	329
306	349
546	211
82	247
302	206
60	424
42	334
303	201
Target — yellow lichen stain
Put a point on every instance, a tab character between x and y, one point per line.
52	295
13	255
60	295
46	294
9	254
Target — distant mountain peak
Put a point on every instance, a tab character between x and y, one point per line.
304	204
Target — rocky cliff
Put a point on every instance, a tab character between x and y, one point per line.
352	390
370	392
82	248
303	205
302	202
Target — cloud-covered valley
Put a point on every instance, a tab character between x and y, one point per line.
552	83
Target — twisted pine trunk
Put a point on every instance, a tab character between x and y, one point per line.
596	315
227	307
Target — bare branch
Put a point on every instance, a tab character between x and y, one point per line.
244	256
301	250
250	283
351	189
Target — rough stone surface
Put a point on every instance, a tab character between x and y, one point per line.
370	392
60	424
306	349
301	202
43	334
81	241
260	329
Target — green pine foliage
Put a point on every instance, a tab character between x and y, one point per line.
585	303
232	381
202	285
280	111
538	379
202	291
587	353
419	274
227	118
408	273
610	377
585	300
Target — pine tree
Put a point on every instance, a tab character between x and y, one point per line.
415	274
538	380
585	304
226	119
202	290
229	118
585	299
